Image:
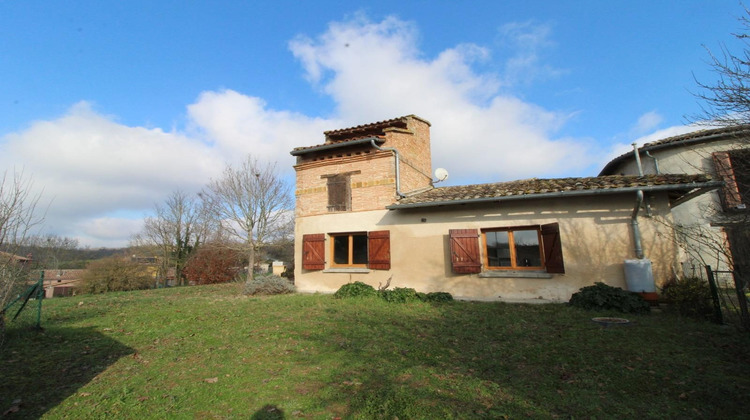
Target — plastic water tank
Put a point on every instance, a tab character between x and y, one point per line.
639	277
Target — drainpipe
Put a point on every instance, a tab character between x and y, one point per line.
398	168
636	228
656	162
640	173
637	159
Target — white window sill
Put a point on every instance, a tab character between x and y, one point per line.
516	274
347	270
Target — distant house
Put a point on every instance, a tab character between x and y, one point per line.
712	223
367	210
61	282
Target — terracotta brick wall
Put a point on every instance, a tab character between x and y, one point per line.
373	177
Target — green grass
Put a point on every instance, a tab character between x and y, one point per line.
206	352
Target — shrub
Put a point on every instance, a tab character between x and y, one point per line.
212	264
399	295
691	297
356	289
603	297
438	297
115	274
269	285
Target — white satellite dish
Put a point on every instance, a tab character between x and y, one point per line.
441	174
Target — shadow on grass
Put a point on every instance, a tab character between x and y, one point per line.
33	381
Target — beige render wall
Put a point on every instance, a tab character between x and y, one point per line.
595	234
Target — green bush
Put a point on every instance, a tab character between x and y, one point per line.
691	297
603	297
269	285
399	295
438	297
356	289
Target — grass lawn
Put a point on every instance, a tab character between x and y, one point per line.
207	352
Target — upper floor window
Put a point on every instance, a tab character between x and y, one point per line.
339	188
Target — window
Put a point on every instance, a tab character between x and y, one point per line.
513	248
348	250
339	193
517	248
733	167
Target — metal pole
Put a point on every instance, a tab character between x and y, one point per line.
718	317
39	298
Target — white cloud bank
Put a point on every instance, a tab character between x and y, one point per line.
104	176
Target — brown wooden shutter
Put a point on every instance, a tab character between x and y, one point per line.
313	251
339	193
552	248
379	250
730	194
465	251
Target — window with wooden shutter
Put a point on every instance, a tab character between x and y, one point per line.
730	194
339	193
552	248
379	250
313	251
464	246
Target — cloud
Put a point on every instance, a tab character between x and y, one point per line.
88	165
525	42
647	122
374	71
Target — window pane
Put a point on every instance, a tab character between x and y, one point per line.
498	249
341	250
527	248
359	254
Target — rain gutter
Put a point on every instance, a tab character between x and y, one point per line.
331	146
398	168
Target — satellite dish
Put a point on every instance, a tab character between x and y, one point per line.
441	174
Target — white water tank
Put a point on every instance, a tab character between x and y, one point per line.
639	277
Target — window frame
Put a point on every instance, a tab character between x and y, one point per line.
512	247
350	257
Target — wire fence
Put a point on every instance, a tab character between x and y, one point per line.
730	295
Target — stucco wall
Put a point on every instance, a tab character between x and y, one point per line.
698	216
595	234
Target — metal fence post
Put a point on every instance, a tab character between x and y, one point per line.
718	317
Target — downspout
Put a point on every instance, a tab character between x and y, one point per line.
656	162
637	159
398	167
640	173
636	228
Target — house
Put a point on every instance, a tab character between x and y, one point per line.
712	228
61	282
367	210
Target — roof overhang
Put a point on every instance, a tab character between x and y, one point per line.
338	145
685	193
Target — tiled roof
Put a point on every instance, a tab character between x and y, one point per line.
675	141
538	188
345	136
356	140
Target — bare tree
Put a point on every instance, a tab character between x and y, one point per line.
726	102
18	206
177	229
252	203
50	250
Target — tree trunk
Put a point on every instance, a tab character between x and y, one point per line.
250	263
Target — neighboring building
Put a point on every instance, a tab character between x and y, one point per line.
367	211
714	224
60	282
